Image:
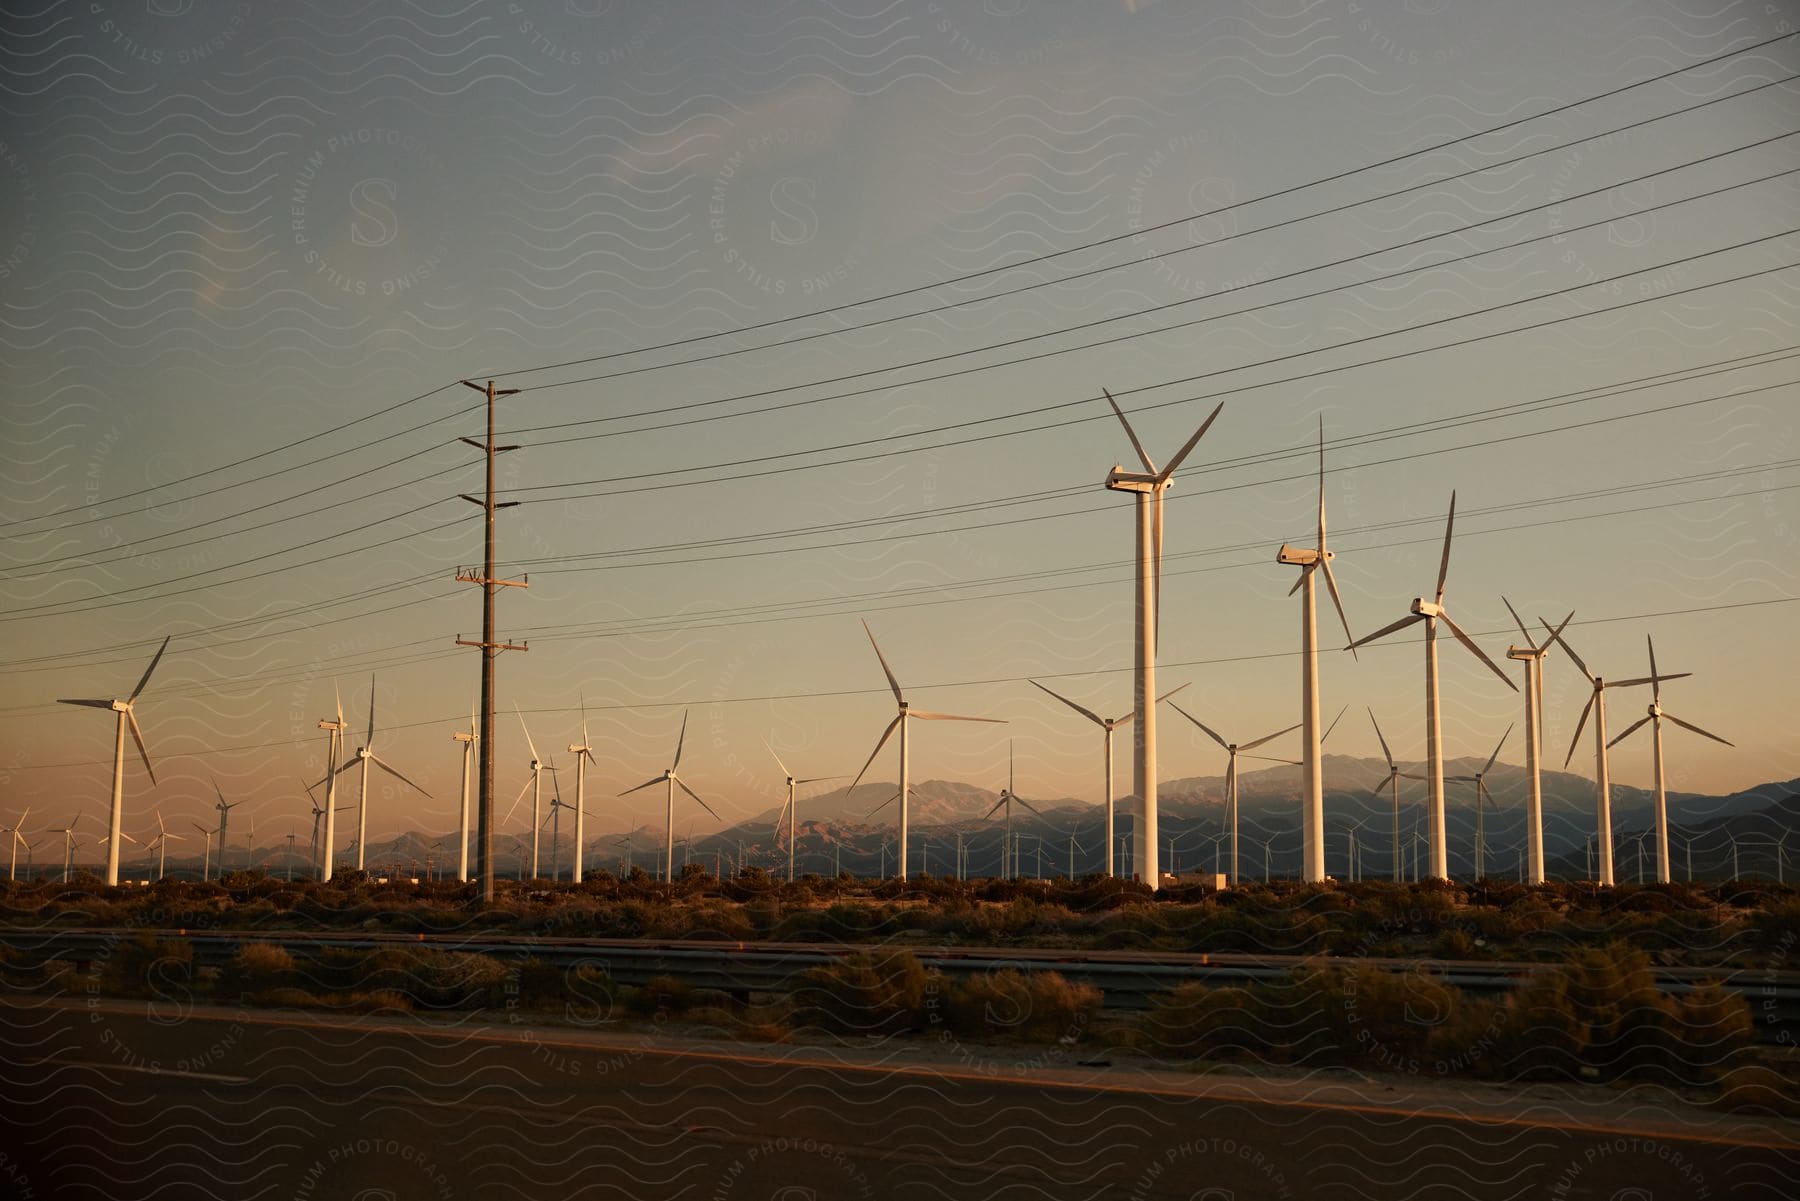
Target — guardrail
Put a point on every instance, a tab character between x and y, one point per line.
1126	979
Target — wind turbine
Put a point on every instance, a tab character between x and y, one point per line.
68	833
1107	727
1007	796
206	854
1532	656
557	805
1392	784
1312	780
334	739
1231	776
1149	487
584	755
1654	717
1430	612
468	741
127	717
161	844
365	755
109	841
536	787
12	844
1482	797
900	723
673	782
788	810
224	809
1602	779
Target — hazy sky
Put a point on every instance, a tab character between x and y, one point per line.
230	230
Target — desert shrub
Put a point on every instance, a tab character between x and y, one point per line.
1038	1007
661	995
1756	1088
142	965
582	993
258	967
1195	1020
863	994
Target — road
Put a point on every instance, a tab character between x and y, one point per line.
125	1099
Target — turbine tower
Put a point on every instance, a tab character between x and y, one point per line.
1107	727
1482	797
1654	716
673	782
1430	612
224	810
787	810
13	842
1596	705
334	737
126	717
899	723
468	741
584	755
1312	780
365	755
1149	486
1532	656
1231	777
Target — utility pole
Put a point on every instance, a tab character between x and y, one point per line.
484	842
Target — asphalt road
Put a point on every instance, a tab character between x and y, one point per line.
120	1099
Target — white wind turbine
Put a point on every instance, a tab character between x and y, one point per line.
1107	726
364	756
468	741
1312	780
1232	750
126	717
1532	656
1483	798
584	755
14	841
788	810
68	833
535	786
1596	705
334	736
900	723
1392	784
1009	856
161	844
1149	487
1430	612
224	808
1654	717
673	782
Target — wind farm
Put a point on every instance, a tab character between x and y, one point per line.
898	403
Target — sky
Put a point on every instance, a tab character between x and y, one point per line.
811	306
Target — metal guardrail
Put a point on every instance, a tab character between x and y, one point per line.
1126	979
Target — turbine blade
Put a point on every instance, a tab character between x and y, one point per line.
338	695
777	758
1299	580
1087	713
1191	442
679	784
892	682
1333	725
880	807
370	740
1385	753
1171	692
1322	487
885	735
1523	632
146	676
1210	732
137	736
382	764
1579	727
817	779
1637	680
680	741
1130	433
1688	725
1631	729
924	715
1656	683
1477	651
527	729
1385	630
1444	563
1337	599
1556	637
88	704
516	800
996	807
1496	754
1028	805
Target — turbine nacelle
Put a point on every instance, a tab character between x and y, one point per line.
1425	608
1120	480
1295	556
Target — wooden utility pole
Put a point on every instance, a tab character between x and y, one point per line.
484	841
